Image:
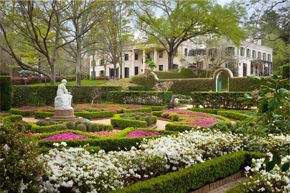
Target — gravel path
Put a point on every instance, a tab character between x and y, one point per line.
101	121
227	186
29	119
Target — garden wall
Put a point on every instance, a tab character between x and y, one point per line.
44	95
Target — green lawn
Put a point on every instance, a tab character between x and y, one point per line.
73	83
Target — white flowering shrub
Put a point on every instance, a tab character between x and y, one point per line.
276	180
267	143
76	170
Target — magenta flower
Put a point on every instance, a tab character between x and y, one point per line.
65	136
141	133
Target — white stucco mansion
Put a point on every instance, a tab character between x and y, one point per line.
246	59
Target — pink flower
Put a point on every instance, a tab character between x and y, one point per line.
65	136
141	133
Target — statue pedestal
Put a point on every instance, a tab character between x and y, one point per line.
64	115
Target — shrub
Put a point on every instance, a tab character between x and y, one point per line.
211	111
42	114
193	177
140	97
94	114
136	88
234	115
157	108
19	164
174	117
117	121
107	144
147	82
5	94
177	127
12	118
157	113
137	110
81	127
44	95
92	127
21	112
227	100
49	128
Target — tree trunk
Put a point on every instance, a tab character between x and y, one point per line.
170	58
115	71
78	56
78	62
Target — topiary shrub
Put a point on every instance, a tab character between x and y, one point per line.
147	82
81	127
20	169
6	93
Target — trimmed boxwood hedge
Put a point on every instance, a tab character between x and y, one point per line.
6	93
225	113
117	121
107	144
177	127
217	100
157	98
44	95
245	84
146	82
186	86
194	177
94	114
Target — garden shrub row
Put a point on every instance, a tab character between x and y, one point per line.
177	127
81	126
217	100
107	144
5	94
183	73
44	95
186	86
245	84
193	177
38	79
148	110
94	114
140	97
117	121
225	113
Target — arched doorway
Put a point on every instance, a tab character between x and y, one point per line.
222	79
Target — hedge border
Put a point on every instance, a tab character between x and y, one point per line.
117	121
193	177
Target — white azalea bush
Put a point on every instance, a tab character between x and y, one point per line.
76	170
276	180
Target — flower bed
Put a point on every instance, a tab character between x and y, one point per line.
64	136
263	179
193	119
103	172
142	133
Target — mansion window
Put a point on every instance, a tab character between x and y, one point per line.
136	56
230	51
160	54
126	57
185	51
102	62
212	52
264	56
254	54
248	53
269	57
259	55
160	67
242	51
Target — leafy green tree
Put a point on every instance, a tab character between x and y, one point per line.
83	16
180	21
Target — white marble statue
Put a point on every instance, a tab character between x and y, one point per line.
63	98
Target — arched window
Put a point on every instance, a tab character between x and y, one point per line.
259	55
242	51
248	53
264	56
254	54
269	58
